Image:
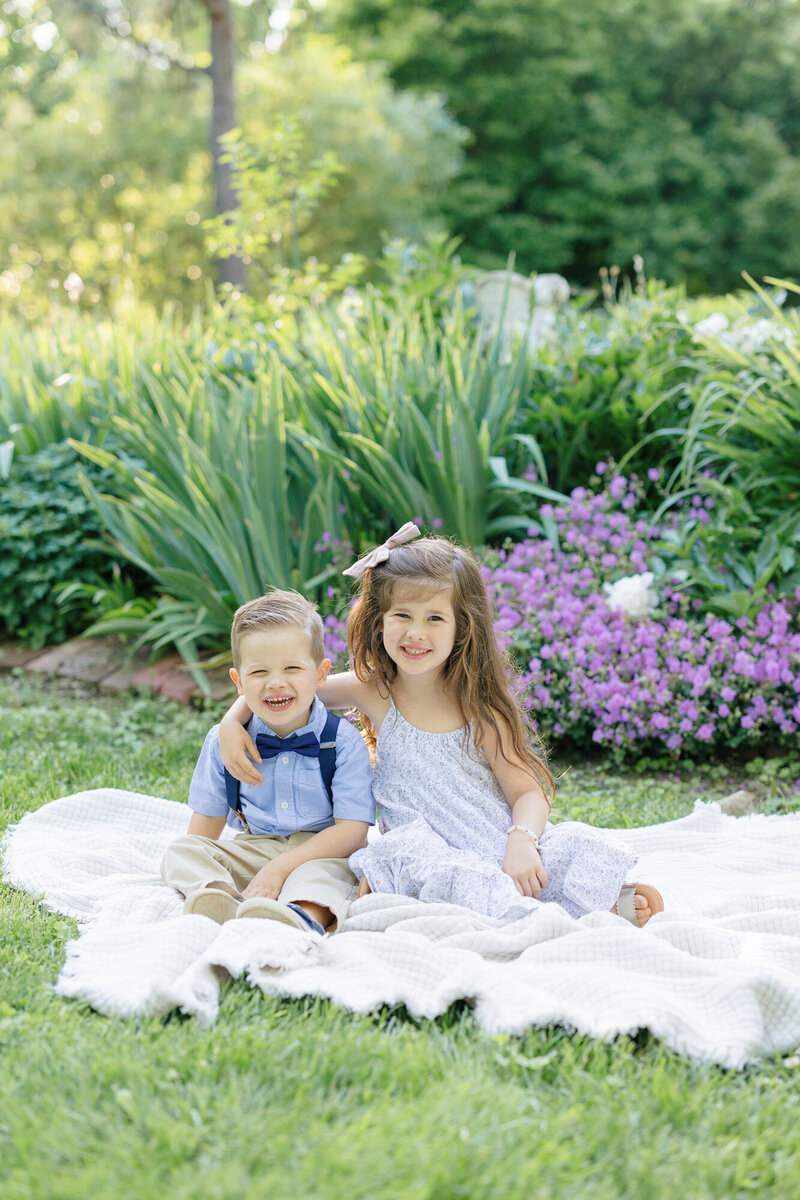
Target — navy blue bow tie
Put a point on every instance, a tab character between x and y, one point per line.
269	745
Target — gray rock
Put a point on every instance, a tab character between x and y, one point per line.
739	804
524	308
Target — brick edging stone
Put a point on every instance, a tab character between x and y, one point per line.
107	663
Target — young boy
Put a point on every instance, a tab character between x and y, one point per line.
288	863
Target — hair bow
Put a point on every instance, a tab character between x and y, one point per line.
380	554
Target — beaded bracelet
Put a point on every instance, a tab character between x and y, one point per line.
530	833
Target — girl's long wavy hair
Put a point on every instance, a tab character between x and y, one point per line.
476	673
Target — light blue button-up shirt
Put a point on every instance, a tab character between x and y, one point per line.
292	796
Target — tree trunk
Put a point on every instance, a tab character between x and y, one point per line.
230	270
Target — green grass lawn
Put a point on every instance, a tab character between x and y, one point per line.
300	1099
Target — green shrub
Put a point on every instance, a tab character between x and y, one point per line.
414	407
611	378
50	533
738	475
228	499
257	455
70	378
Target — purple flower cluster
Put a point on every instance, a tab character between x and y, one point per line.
681	681
335	640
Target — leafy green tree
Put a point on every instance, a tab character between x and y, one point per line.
91	211
662	127
30	57
105	187
397	150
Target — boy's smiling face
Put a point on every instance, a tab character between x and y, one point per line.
278	676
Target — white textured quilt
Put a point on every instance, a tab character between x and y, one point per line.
716	976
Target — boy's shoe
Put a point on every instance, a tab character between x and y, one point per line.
214	903
273	910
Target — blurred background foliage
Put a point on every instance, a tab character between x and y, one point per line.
667	128
574	137
106	170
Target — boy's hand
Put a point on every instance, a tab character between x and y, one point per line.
523	863
235	744
266	882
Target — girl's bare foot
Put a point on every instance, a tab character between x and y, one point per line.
638	902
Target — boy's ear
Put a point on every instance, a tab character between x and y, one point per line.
323	669
234	674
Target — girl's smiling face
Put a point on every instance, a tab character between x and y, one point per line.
419	630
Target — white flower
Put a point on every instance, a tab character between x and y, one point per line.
753	337
713	325
632	595
350	306
747	336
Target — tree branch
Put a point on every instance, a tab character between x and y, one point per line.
154	49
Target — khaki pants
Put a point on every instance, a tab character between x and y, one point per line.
192	862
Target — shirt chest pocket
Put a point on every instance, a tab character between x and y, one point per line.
311	800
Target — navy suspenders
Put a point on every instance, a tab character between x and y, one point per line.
327	766
327	752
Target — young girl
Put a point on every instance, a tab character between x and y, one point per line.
462	797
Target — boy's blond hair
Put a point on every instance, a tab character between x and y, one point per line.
278	610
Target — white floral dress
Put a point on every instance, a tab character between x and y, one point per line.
444	821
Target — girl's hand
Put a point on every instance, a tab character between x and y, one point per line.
235	744
523	863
